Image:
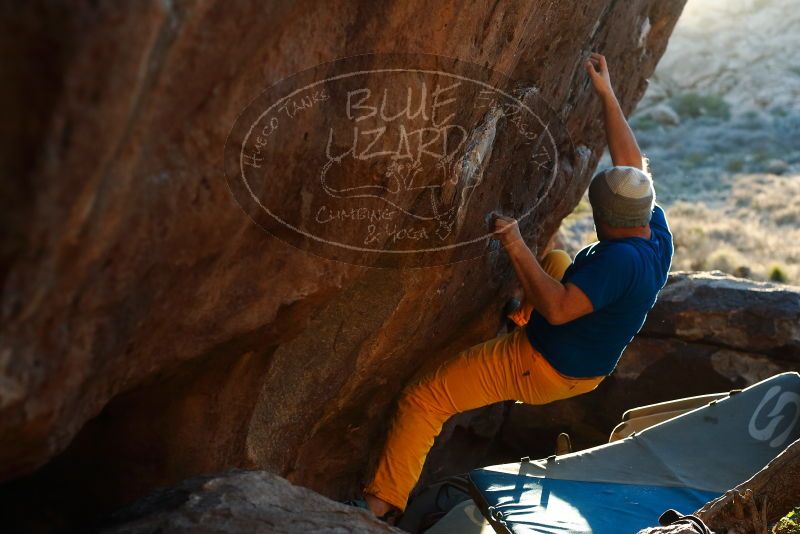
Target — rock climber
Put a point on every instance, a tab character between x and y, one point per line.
575	320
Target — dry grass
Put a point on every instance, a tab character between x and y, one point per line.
753	233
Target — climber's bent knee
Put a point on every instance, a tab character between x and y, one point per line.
556	262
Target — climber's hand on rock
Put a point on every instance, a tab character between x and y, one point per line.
506	229
598	71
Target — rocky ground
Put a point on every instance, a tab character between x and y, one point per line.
236	502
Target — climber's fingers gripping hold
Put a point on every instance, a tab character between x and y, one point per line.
597	68
506	229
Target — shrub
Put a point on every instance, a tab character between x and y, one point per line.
777	274
789	524
734	165
694	159
698	264
778	112
762	153
694	105
722	260
787	218
645	123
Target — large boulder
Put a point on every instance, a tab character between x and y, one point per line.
236	502
150	330
713	308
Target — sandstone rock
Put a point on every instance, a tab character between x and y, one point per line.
717	309
151	331
240	501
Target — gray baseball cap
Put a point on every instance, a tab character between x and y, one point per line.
622	196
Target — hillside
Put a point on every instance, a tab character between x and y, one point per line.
720	123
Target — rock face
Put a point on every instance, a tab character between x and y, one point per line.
151	331
733	313
708	333
240	501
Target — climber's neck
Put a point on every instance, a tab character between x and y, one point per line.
607	232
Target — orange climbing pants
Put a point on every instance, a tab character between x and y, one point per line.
503	368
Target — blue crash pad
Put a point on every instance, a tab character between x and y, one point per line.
624	486
542	505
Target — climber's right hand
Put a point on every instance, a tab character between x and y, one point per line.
598	72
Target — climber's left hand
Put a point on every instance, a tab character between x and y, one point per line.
506	229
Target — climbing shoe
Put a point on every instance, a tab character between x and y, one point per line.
673	517
563	444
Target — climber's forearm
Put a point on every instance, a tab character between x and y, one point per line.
558	303
621	142
544	292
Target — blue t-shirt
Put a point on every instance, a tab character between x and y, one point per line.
622	278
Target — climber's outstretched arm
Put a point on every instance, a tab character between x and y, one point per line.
621	141
558	303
